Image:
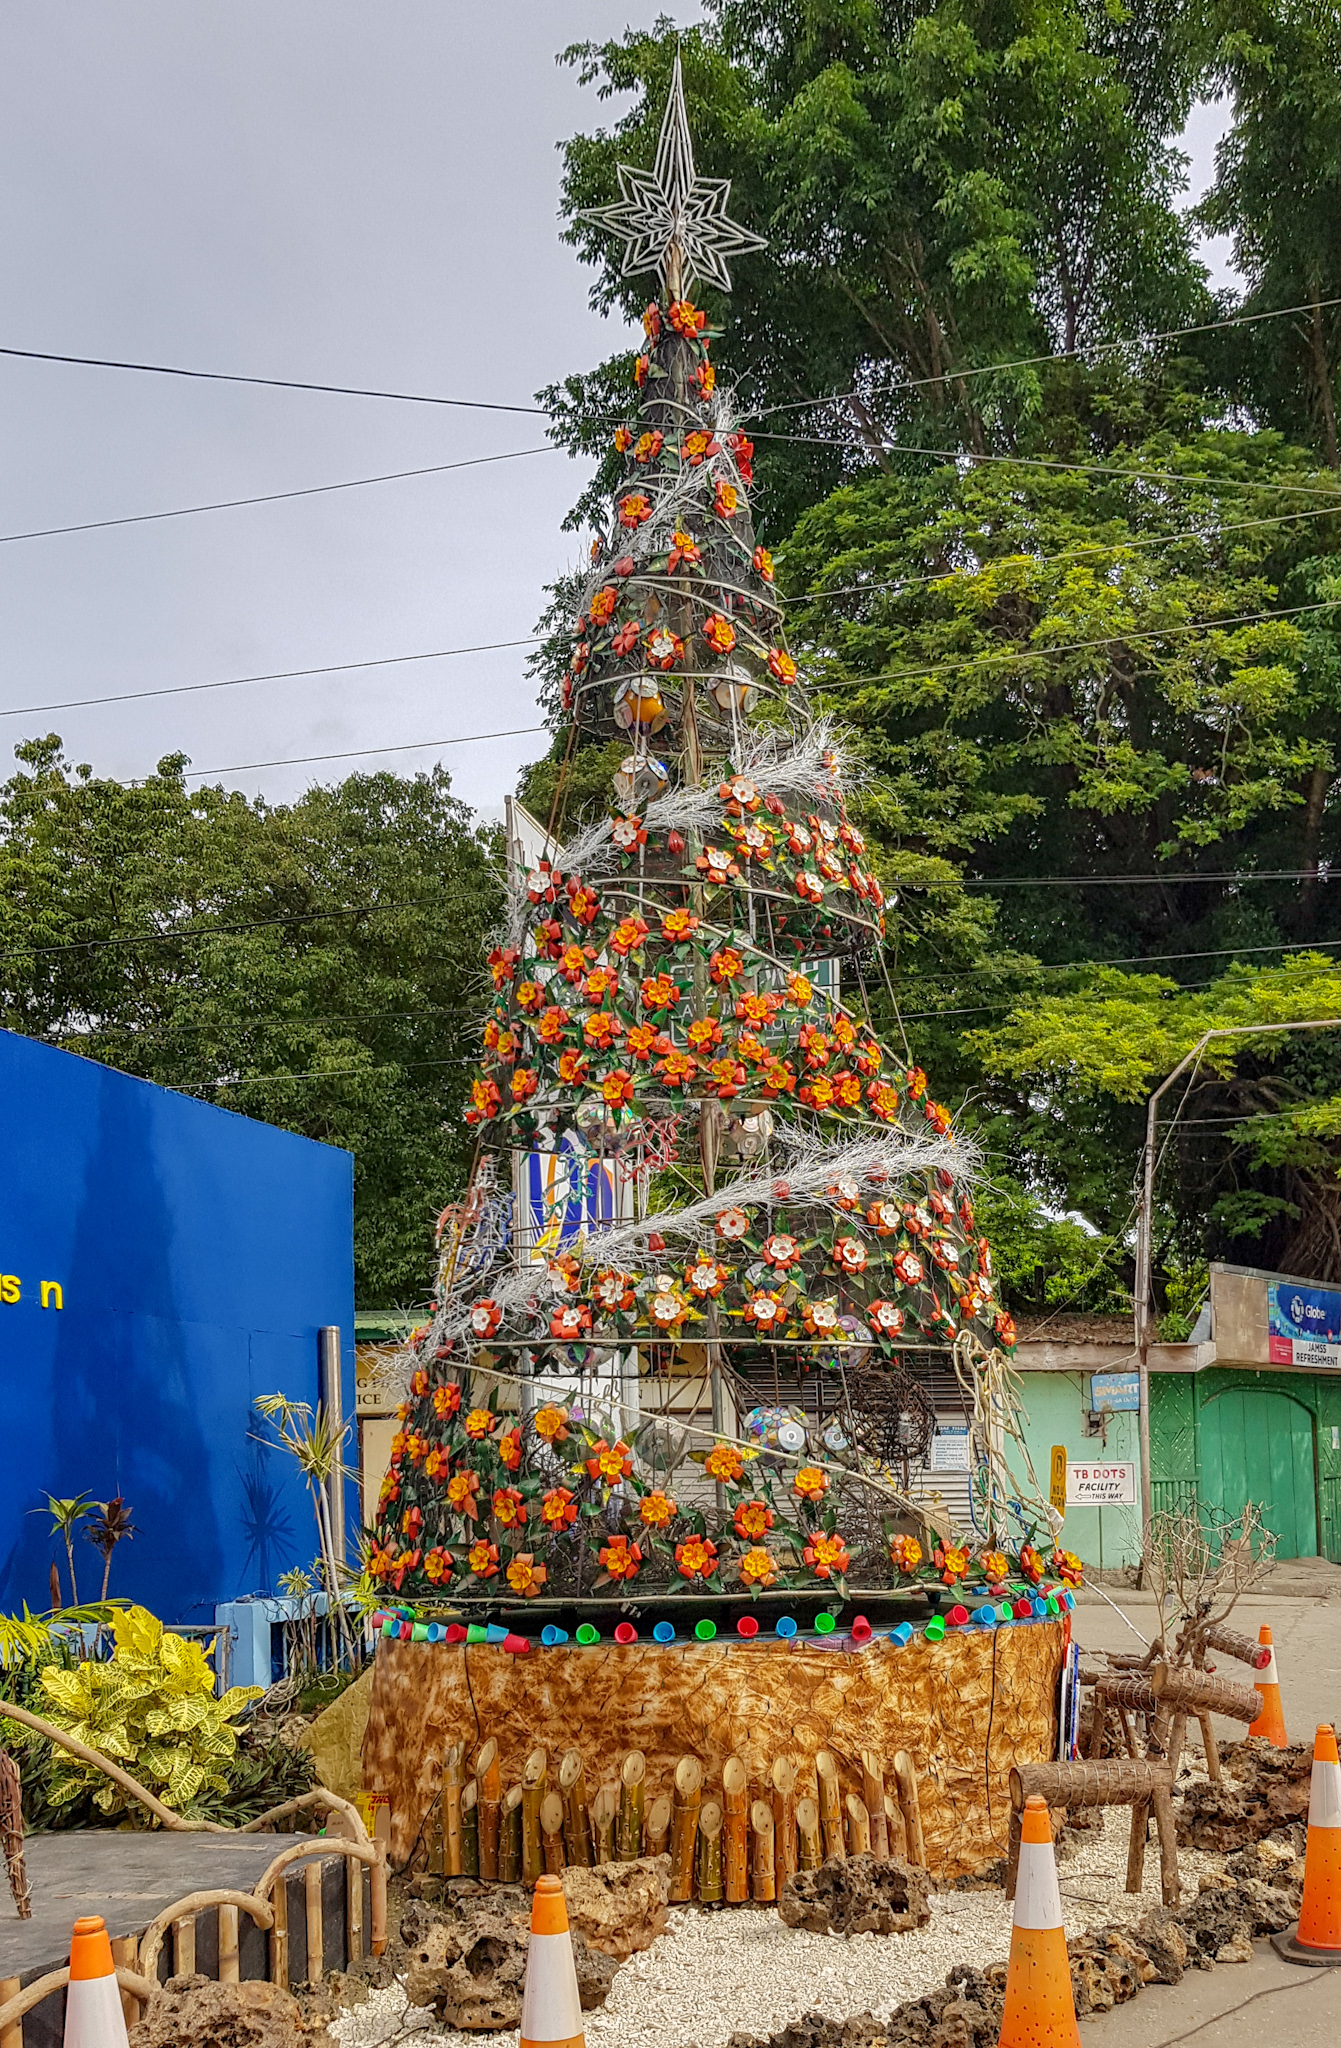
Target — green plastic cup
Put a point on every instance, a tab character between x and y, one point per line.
419	1632
587	1634
705	1630
825	1624
935	1629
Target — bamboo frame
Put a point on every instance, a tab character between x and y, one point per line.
809	1847
576	1820
873	1798
632	1777
489	1777
763	1861
315	1928
656	1827
604	1814
736	1802
708	1857
453	1783
782	1791
896	1834
184	1946
684	1828
470	1830
535	1785
126	1954
905	1779
551	1832
510	1836
830	1803
858	1826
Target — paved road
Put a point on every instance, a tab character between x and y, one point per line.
1302	1606
1264	2001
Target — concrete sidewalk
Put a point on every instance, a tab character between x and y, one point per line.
1302	1605
1286	2004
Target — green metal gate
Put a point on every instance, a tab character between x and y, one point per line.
1254	1443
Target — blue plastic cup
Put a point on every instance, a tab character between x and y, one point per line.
902	1634
785	1627
664	1632
549	1635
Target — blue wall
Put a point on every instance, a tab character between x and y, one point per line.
197	1254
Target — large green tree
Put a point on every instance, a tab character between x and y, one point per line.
1278	195
319	964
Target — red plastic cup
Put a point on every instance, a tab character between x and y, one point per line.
518	1645
456	1632
957	1616
861	1630
625	1632
1022	1609
747	1626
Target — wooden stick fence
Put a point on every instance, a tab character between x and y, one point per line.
1122	1781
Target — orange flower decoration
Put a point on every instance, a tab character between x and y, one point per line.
781	666
719	633
686	318
754	1518
510	1449
811	1483
623	439
551	1424
726	500
1068	1566
757	1568
678	925
634	509
481	1422
617	1088
906	1552
509	1507
437	1566
649	446
826	1555
696	1558
437	1464
482	1559
610	1462
685	552
461	1490
656	1509
446	1400
994	1564
726	966
951	1561
525	1576
558	1508
763	564
620	1558
724	1464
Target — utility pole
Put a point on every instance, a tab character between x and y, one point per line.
1145	1219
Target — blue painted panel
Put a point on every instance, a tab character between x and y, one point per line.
196	1253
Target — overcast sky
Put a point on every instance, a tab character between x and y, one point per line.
336	192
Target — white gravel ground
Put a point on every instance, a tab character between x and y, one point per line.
715	1972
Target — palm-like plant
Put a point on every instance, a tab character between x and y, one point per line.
309	1437
109	1526
66	1515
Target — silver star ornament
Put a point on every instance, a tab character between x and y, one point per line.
669	210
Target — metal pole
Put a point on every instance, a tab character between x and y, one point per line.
332	1400
1145	1222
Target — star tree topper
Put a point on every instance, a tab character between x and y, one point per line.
670	220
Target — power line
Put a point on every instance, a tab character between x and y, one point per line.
949	457
280	675
1117	638
362	753
1111	547
1059	355
212	931
38	355
356	483
1125	881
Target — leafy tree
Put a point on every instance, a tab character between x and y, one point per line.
1278	194
944	187
316	964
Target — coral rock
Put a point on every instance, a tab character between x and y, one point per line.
469	1961
619	1907
195	2012
857	1895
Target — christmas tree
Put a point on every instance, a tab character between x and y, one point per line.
682	991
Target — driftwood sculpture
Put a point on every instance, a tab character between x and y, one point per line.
11	1833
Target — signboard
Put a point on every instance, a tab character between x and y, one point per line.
1304	1325
1057	1480
1119	1392
1100	1486
950	1447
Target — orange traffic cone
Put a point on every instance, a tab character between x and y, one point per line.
1040	2006
1317	1938
93	2015
1270	1723
551	2011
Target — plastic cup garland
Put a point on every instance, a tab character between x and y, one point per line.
587	1634
785	1627
625	1632
747	1626
825	1624
935	1628
705	1630
549	1635
664	1632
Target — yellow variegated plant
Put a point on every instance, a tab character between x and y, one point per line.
151	1708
